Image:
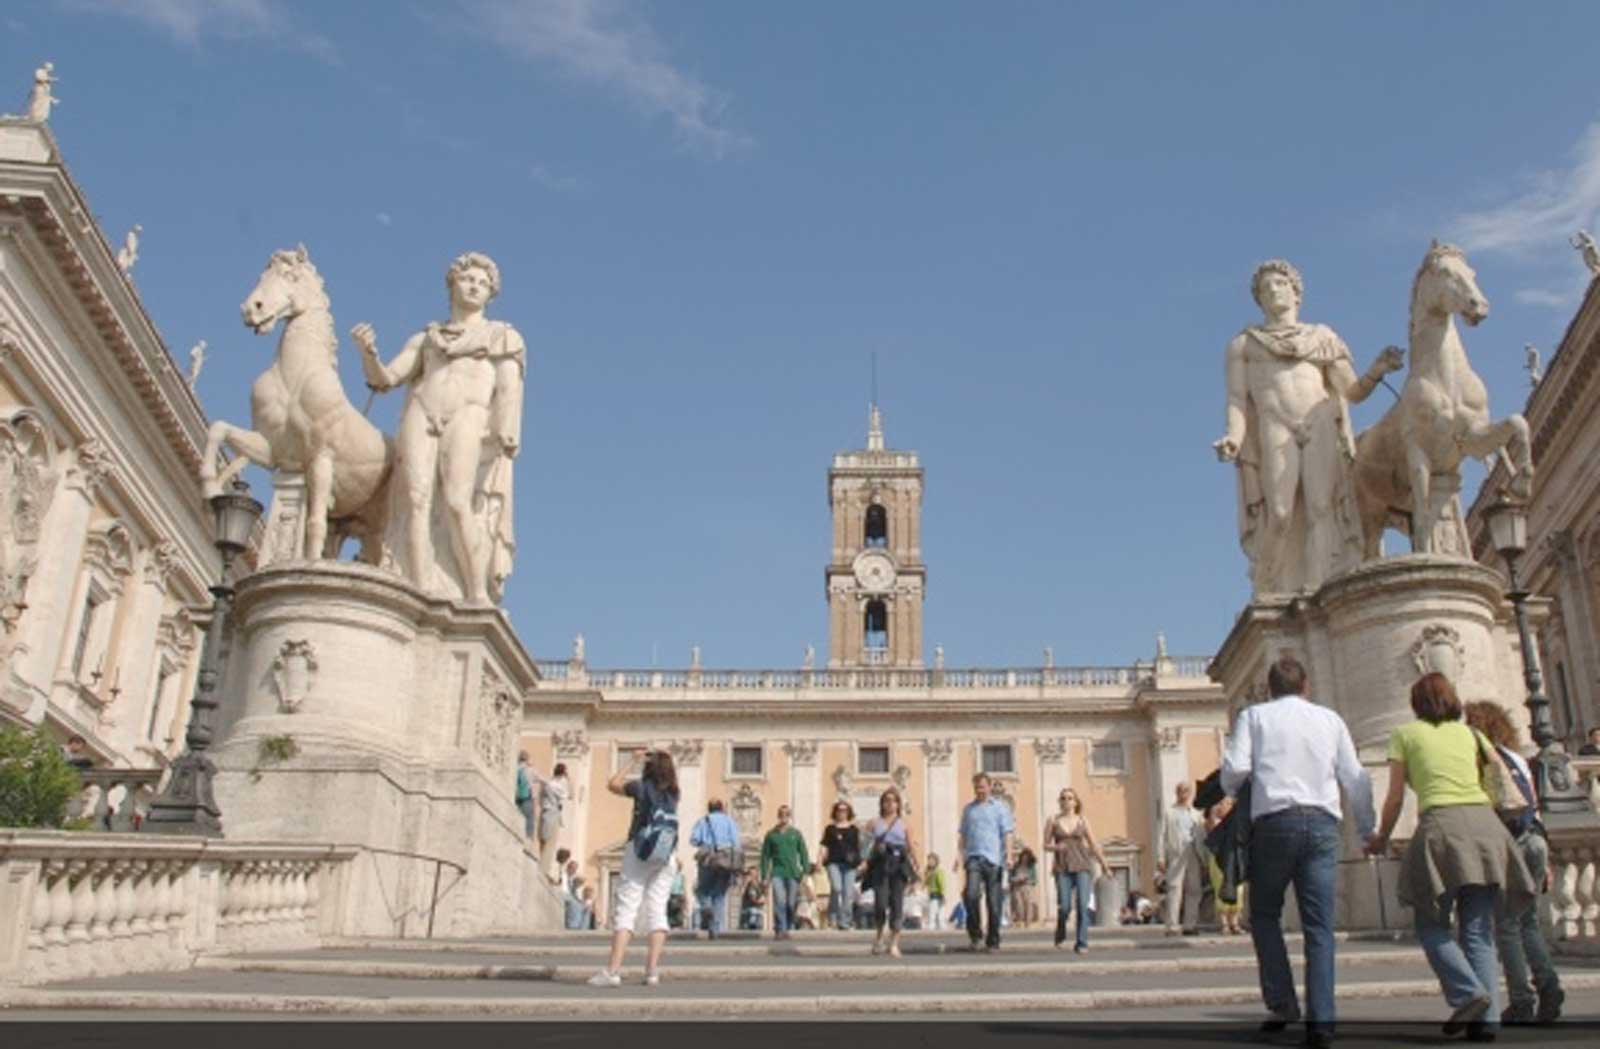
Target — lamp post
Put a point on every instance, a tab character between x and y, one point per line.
188	806
1558	790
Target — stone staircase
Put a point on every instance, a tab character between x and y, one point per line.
1136	973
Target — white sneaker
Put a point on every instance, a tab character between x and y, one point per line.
652	979
604	978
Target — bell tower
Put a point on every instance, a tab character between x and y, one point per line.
875	579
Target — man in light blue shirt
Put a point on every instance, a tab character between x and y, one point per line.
986	829
1296	755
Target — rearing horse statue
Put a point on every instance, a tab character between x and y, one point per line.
301	420
1408	465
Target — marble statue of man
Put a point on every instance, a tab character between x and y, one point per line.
40	96
459	431
197	360
1587	248
1289	386
128	254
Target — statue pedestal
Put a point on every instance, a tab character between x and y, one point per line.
1364	638
365	713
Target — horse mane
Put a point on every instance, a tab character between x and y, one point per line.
1436	253
296	265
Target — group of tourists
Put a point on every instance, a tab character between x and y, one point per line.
1269	819
542	801
1471	873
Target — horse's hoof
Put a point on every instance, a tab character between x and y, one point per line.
210	488
1521	486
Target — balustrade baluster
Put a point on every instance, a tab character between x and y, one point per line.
39	908
82	903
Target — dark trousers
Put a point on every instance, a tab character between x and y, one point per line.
888	900
1299	847
983	878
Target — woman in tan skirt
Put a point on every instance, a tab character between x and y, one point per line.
1460	860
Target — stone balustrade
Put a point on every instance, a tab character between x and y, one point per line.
1573	905
114	799
1035	680
79	905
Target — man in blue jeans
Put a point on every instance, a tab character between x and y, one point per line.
986	829
1297	755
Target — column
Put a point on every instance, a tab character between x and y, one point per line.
1051	754
1171	768
686	754
572	748
136	660
62	535
805	789
944	805
1572	585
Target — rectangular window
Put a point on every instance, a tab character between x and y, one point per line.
746	761
80	649
621	756
997	759
872	761
1107	758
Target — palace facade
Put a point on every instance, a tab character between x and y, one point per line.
878	715
105	546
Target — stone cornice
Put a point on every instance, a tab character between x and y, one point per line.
45	198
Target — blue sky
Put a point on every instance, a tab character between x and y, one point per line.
1042	218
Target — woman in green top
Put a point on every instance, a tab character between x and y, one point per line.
1460	857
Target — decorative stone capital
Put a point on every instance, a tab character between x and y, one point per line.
1170	737
571	743
160	563
938	751
10	340
686	752
801	751
94	466
176	634
1050	751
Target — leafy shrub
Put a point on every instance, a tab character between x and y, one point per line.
36	783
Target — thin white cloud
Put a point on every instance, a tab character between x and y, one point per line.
190	22
1545	297
1548	209
606	42
385	219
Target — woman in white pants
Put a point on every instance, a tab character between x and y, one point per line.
648	862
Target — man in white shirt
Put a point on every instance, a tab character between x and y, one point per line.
1178	861
1296	755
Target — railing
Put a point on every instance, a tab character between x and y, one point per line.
108	809
1573	905
101	905
876	678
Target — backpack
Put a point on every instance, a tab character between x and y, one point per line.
657	836
1518	821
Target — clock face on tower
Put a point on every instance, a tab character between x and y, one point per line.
875	571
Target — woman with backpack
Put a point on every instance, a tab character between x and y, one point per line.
648	863
1517	934
889	867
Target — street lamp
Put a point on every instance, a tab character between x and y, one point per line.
1552	769
188	806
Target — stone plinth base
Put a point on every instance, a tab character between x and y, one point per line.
368	714
1364	638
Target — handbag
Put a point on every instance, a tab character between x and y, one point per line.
719	857
1504	796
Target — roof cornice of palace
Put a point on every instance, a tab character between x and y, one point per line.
37	192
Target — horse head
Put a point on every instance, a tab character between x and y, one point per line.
1446	284
288	286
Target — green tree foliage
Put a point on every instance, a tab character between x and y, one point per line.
36	783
